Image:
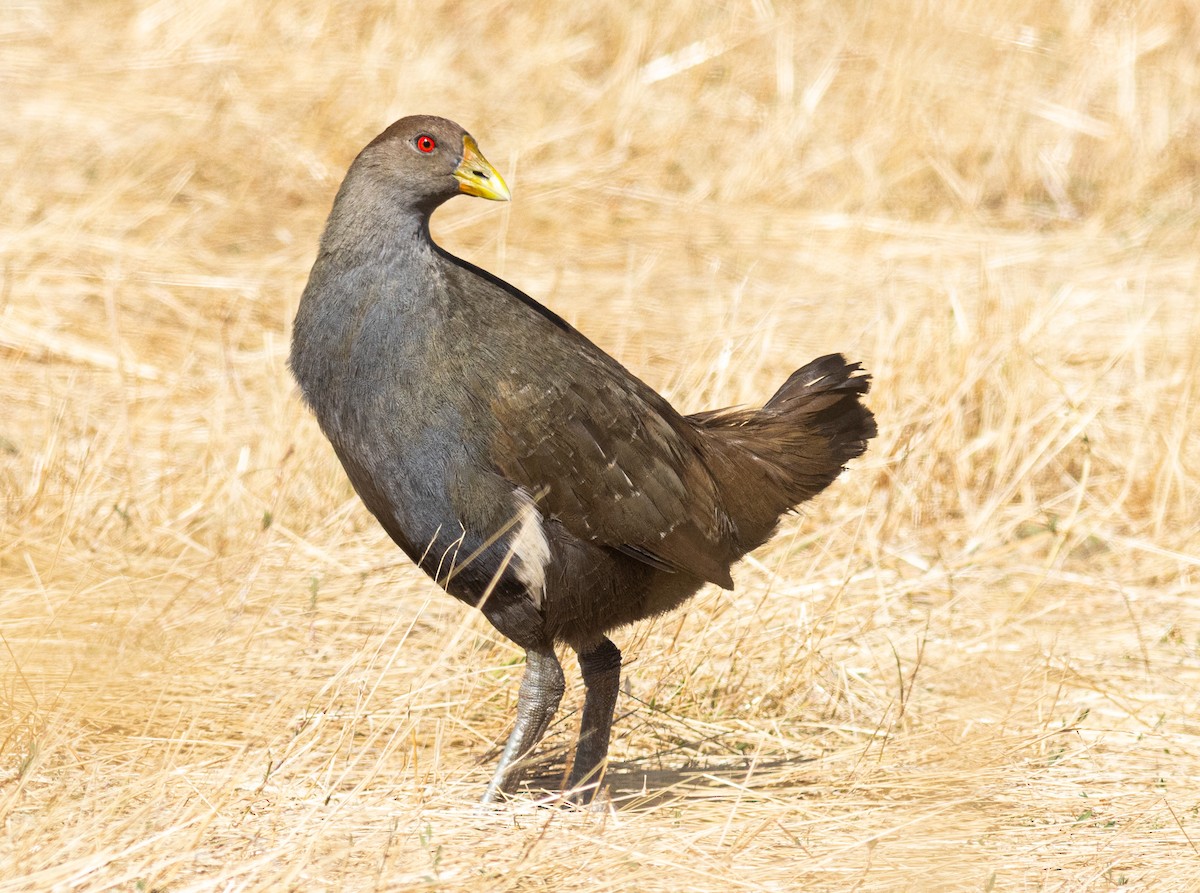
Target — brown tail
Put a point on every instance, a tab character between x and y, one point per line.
769	460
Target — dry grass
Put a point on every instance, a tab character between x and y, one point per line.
973	665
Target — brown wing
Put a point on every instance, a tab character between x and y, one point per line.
605	455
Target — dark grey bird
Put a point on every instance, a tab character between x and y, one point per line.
519	465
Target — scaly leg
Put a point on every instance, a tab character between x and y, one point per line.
601	668
541	690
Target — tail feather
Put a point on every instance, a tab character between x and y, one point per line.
769	460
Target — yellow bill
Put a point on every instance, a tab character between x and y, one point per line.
477	177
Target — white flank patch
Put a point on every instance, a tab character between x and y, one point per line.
530	547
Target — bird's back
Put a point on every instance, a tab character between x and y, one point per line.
602	452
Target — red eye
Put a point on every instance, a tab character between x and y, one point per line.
426	144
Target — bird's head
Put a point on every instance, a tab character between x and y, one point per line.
430	160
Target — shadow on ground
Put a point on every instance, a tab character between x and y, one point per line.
634	786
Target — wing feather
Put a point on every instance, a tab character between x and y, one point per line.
611	461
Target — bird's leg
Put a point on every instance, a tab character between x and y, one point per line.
601	667
541	690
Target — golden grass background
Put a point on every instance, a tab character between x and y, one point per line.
972	665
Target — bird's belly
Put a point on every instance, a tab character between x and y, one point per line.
406	486
429	487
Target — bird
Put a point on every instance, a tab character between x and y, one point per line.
519	465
